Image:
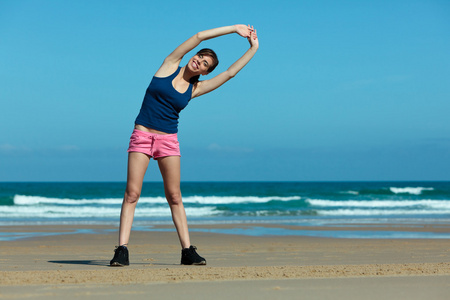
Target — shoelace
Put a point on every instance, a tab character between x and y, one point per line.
117	247
192	251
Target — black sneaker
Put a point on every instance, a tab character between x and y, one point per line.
190	257
120	257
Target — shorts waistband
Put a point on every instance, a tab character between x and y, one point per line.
156	136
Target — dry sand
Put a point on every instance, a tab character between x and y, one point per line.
74	266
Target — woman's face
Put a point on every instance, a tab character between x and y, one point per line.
200	64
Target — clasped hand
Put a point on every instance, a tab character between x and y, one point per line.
248	32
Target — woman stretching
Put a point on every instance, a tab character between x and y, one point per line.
156	127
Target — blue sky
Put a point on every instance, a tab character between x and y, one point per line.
339	90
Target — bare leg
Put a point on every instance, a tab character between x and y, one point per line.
137	166
170	171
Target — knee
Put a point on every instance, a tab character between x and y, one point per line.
131	197
174	198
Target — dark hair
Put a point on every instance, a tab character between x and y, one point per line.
213	55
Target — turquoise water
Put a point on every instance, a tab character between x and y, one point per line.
282	203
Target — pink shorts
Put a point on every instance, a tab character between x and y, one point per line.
153	144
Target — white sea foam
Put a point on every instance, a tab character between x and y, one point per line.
351	192
409	190
377	212
46	207
433	204
235	199
53	208
50	211
36	200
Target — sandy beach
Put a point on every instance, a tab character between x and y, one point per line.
76	264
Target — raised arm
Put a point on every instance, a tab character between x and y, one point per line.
206	86
172	61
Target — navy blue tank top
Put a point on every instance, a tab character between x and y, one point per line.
162	104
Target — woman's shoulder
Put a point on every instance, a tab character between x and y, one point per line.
167	69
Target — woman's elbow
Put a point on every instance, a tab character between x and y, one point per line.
200	36
231	73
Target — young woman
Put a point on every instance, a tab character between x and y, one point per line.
156	127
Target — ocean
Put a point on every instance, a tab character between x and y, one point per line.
329	204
